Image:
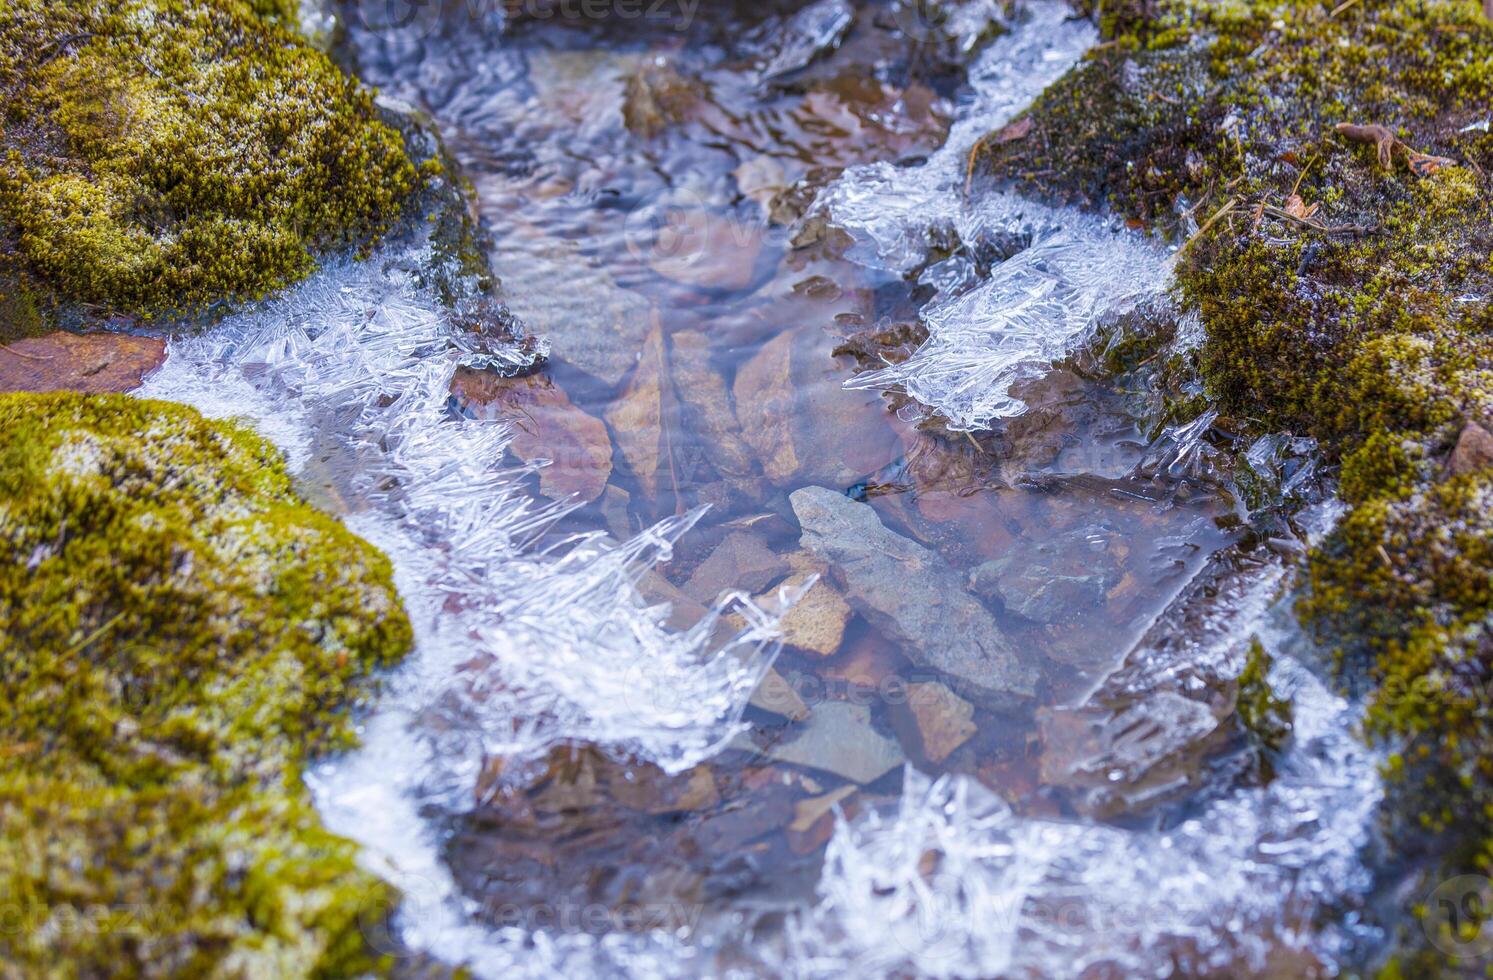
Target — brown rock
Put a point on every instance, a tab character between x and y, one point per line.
945	720
658	794
816	623
1120	760
546	425
765	404
741	561
1473	452
614	504
684	612
91	363
658	96
637	418
871	663
704	391
761	179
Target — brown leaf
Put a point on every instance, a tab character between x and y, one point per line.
546	425
702	389
1423	164
944	719
1380	136
808	812
90	363
1013	131
637	418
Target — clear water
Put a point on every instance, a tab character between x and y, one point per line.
567	774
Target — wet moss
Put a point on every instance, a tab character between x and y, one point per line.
1344	282
1264	715
162	156
178	634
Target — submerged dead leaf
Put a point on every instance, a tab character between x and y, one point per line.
546	425
637	418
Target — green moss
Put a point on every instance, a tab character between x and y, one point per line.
1265	716
161	156
1365	322
178	633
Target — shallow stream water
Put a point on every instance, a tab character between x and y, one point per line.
662	719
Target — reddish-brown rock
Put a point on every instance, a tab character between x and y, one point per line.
96	364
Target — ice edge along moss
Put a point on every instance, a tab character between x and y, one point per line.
1345	293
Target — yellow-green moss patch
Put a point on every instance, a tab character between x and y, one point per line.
161	156
178	633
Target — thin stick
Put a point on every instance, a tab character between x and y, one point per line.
969	167
1228	206
30	357
1301	176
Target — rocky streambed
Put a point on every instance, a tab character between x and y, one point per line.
799	446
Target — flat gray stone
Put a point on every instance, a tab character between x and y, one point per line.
915	598
837	739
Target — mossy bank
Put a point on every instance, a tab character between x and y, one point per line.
178	633
1326	166
164	157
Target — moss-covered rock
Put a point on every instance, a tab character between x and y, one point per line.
162	156
1327	167
178	633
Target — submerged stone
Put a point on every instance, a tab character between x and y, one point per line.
915	597
741	561
944	720
838	738
179	633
